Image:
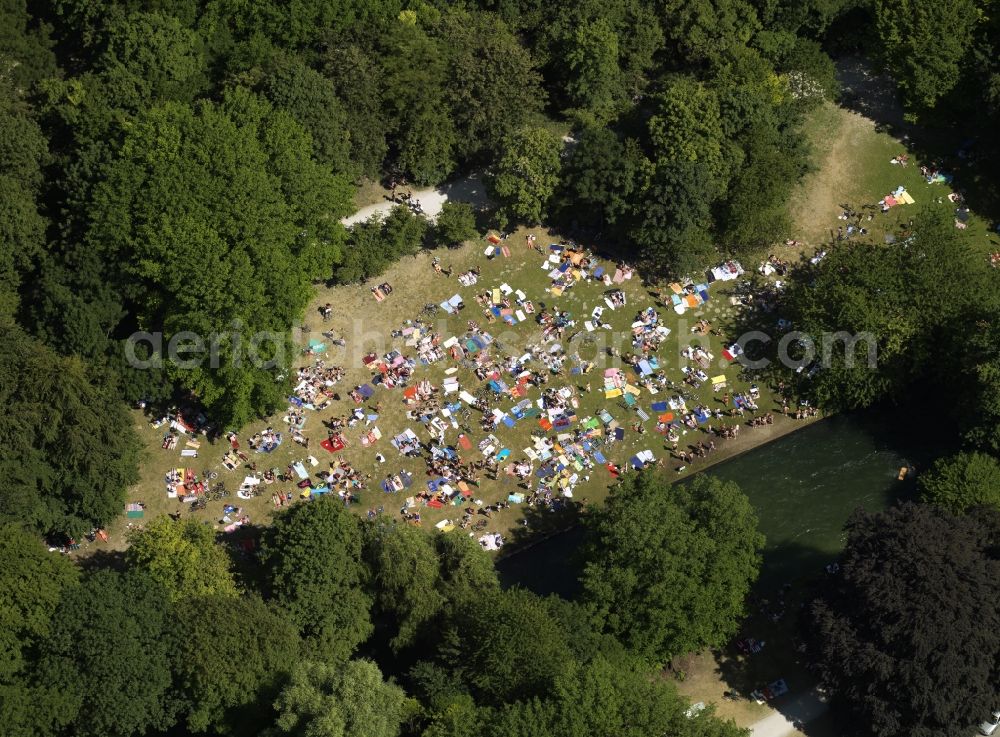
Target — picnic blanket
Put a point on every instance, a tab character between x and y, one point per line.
727	271
334	444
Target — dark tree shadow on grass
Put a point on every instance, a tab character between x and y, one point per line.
102	560
244	548
946	138
777	617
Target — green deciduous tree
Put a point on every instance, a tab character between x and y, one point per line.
925	42
669	566
418	582
810	71
974	372
460	717
687	127
404	577
493	87
150	57
635	23
312	99
23	151
865	297
228	654
455	223
616	694
32	581
753	98
527	173
358	79
672	218
312	555
466	570
415	93
756	212
908	632
219	219
69	447
27	49
183	557
347	700
963	481
602	177
510	646
595	84
375	244
297	25
699	29
107	653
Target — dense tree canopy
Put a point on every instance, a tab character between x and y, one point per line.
455	223
69	452
23	151
376	243
907	28
149	57
345	700
425	136
493	86
312	100
182	557
228	657
314	569
32	582
220	221
909	629
527	173
864	297
404	576
514	648
671	566
415	580
968	479
107	656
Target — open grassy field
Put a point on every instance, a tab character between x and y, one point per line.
367	325
852	167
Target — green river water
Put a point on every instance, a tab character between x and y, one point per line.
804	486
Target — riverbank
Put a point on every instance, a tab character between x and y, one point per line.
750	439
804	486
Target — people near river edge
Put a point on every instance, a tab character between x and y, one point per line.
510	385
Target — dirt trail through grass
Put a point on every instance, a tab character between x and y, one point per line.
837	136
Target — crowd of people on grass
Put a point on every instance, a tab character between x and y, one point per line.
546	384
